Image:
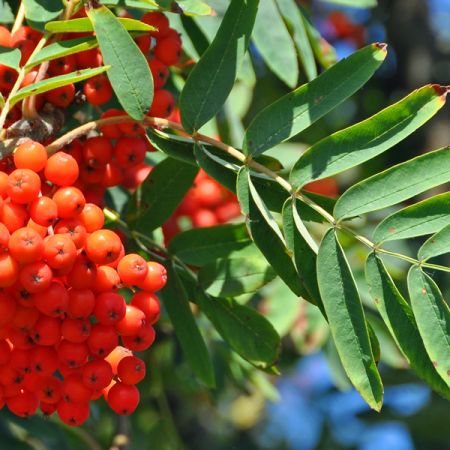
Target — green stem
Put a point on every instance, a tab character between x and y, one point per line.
248	161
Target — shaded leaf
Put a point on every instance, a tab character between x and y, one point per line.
293	16
130	74
297	110
10	57
304	250
246	331
195	8
6	14
52	83
174	146
323	50
346	318
265	232
275	44
42	11
425	217
231	277
161	193
223	168
436	245
365	140
191	341
399	319
212	78
395	184
433	319
353	3
200	246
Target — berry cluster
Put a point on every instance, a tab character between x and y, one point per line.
206	204
114	158
162	48
61	316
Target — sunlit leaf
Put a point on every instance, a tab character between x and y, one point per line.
399	319
395	185
297	110
425	217
346	318
433	319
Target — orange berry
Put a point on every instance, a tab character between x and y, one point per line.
92	217
30	155
26	245
9	270
14	216
62	169
44	211
132	269
70	202
24	185
59	251
103	246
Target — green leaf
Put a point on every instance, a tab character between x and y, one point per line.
147	5
436	245
6	14
346	318
354	145
60	49
323	50
212	78
161	193
293	16
223	168
354	3
52	83
130	74
246	331
195	8
274	43
297	110
265	232
231	277
42	11
186	330
198	41
433	319
10	57
425	217
83	25
395	184
174	146
399	319
304	249
201	246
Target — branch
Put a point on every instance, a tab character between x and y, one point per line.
248	161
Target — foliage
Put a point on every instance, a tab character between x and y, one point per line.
301	239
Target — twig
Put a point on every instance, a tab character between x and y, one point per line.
164	123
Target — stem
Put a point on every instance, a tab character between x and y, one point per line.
13	91
19	18
19	80
29	110
164	123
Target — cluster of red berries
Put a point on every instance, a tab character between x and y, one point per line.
207	203
106	162
61	316
162	48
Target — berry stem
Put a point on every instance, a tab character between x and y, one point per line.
164	123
